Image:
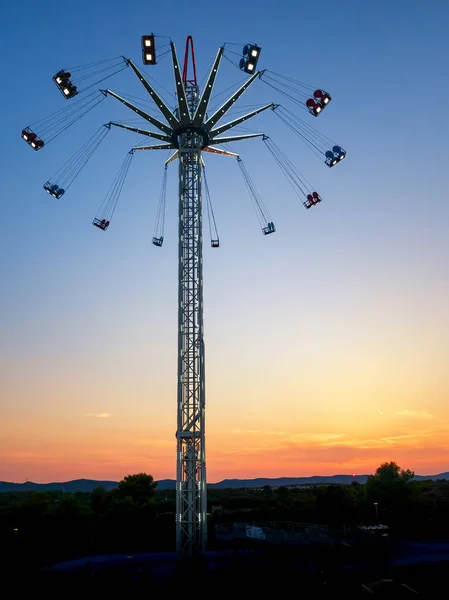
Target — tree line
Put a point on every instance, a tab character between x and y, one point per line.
42	528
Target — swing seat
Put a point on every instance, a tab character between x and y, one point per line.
101	223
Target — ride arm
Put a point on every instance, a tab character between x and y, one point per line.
155	147
236	138
205	97
157	136
213	150
183	107
235	122
173	157
165	128
227	105
167	113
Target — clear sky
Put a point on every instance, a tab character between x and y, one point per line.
326	343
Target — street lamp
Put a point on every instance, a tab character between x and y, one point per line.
376	504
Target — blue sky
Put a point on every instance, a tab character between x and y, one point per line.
354	290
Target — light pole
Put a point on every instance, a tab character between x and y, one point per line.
376	504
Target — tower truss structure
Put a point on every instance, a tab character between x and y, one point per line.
190	131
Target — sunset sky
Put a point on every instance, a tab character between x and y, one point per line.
327	345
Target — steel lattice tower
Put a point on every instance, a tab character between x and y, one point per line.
191	499
190	132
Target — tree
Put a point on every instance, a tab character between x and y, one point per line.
335	504
140	488
100	501
390	473
36	505
267	490
68	507
388	487
283	494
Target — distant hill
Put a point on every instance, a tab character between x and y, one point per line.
87	485
69	487
315	480
288	481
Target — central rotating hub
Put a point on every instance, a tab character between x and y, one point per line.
189	130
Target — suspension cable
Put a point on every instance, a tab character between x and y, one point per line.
206	75
286	165
261	212
99	72
298	182
134	99
308	97
157	85
51	126
320	144
213	231
158	236
86	72
163	55
66	175
289	96
95	83
94	64
109	204
231	87
299	87
231	61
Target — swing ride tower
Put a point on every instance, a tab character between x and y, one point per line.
191	131
188	131
191	493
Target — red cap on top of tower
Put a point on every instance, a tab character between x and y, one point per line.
185	78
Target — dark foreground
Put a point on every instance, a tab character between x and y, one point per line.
403	570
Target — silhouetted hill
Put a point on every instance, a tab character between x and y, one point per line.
287	481
87	485
315	480
69	487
